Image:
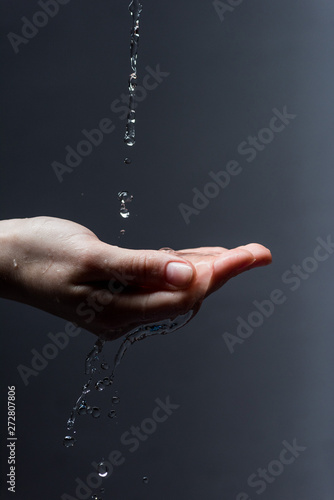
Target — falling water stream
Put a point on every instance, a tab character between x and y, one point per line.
95	364
135	8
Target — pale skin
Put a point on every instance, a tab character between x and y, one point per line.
63	268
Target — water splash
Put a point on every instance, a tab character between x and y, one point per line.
149	330
93	361
135	9
93	357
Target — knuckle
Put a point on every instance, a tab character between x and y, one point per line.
145	266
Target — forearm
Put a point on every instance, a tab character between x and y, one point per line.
9	249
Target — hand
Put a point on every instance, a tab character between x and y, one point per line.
64	269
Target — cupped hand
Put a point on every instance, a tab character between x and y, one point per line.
63	268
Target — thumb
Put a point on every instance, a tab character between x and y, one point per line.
142	268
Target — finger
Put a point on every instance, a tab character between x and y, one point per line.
203	250
238	262
261	253
229	265
140	268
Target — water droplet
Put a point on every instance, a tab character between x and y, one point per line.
15	264
82	410
106	381
96	412
82	194
167	249
85	389
135	8
70	421
145	479
124	212
129	141
132	119
122	232
155	328
102	469
112	414
105	366
102	490
99	386
69	441
89	410
127	161
115	400
125	197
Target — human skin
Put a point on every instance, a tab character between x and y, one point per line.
63	268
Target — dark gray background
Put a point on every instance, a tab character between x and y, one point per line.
225	79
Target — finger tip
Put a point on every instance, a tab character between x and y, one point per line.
261	253
236	259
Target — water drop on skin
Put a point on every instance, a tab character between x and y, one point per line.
167	249
15	264
69	441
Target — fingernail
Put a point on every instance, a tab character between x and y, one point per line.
178	274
